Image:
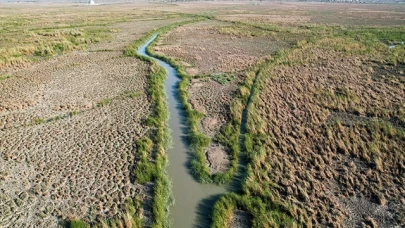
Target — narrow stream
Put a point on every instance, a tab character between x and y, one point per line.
193	201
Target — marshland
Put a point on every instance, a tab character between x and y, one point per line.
202	114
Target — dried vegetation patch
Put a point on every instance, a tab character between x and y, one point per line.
68	84
301	14
213	100
72	168
274	18
211	47
71	129
69	132
330	148
31	33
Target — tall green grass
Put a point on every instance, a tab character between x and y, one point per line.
77	224
151	166
264	213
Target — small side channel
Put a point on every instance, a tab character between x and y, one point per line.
236	183
193	201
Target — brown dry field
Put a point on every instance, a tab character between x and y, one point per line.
295	13
337	158
69	124
209	48
63	155
289	14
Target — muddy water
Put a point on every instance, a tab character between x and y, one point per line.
193	201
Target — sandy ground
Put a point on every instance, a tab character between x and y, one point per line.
217	158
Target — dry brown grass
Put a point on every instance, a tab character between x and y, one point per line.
212	47
331	147
331	122
69	125
31	33
213	100
293	14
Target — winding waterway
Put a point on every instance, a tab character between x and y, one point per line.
193	201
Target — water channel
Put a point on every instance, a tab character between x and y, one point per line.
193	201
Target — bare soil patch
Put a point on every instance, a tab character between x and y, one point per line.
217	158
371	214
240	219
75	82
71	168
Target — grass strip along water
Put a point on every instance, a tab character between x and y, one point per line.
264	211
146	171
152	160
198	141
230	135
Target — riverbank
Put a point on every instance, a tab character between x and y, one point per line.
299	106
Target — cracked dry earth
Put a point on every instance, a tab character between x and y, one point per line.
78	165
341	173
